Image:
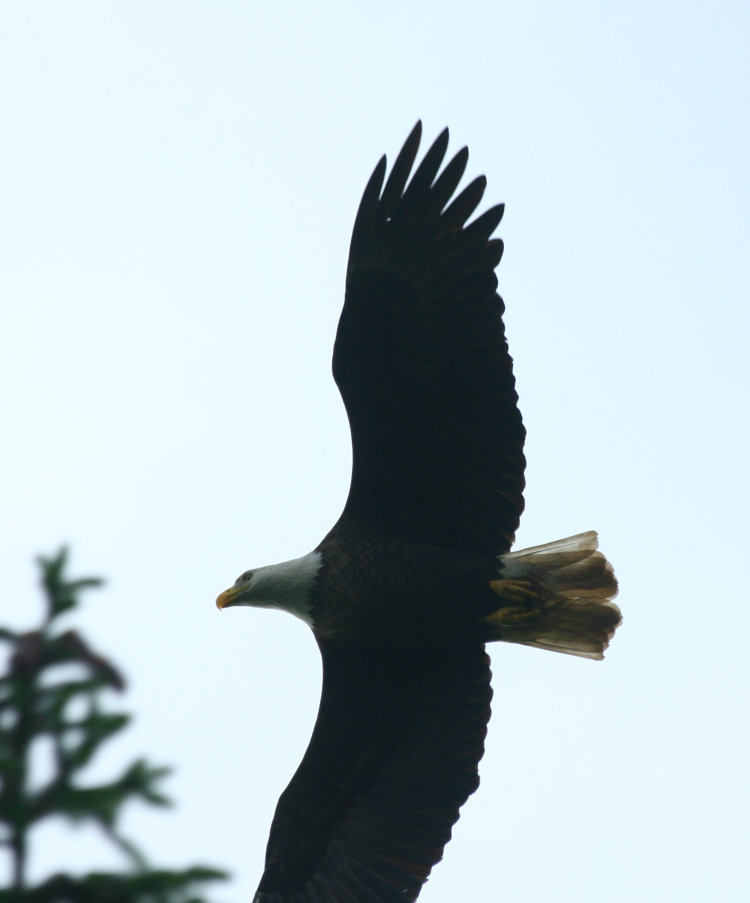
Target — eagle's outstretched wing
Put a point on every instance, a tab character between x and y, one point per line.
423	366
392	757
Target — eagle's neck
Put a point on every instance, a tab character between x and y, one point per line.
288	585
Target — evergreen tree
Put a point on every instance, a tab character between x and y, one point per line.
36	702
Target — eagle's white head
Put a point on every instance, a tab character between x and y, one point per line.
288	586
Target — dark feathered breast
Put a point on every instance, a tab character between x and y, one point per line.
389	593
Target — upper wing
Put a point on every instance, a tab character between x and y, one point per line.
392	757
423	366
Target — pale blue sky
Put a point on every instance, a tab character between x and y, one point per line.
177	187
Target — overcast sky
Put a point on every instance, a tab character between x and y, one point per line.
177	187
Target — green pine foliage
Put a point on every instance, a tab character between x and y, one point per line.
40	699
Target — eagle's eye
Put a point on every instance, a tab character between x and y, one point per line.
244	578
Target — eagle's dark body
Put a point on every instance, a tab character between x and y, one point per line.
449	594
417	574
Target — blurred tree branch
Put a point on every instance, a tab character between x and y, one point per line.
35	702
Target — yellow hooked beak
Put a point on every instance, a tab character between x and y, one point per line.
227	598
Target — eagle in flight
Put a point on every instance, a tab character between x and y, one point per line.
417	575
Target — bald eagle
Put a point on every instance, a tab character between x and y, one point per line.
417	574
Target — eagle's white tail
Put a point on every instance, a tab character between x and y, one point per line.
557	596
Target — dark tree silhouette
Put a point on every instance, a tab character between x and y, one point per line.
38	698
